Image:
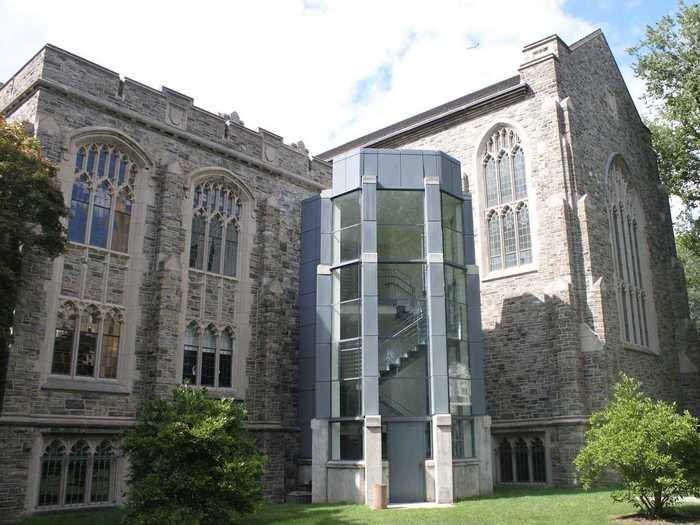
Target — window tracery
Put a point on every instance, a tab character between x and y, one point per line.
506	201
208	356
102	197
630	263
216	207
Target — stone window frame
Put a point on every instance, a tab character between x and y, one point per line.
631	272
532	441
143	197
484	211
77	310
220	332
92	445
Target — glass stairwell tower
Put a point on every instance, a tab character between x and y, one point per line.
391	349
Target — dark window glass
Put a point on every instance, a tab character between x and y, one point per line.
462	438
505	460
101	209
101	486
350	393
539	470
522	469
63	346
346	440
80	200
197	243
225	360
400	225
76	476
50	480
87	344
231	255
189	368
120	227
214	247
208	358
110	348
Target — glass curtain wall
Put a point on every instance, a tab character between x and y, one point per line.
403	316
346	332
456	324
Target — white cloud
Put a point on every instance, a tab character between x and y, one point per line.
294	66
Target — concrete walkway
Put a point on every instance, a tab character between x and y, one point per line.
420	505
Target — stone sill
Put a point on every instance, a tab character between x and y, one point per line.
466	461
341	463
212	274
79	506
511	272
636	348
59	383
99	249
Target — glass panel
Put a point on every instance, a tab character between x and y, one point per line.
100	216
102	162
404	396
92	153
87	344
349	403
123	164
50	480
519	169
350	366
524	241
400	225
505	460
346	283
80	201
462	438
350	319
522	469
197	243
494	242
460	397
63	346
120	228
231	255
452	229
491	185
346	227
539	471
346	440
456	302
509	239
110	349
402	312
504	179
208	369
225	362
215	234
113	159
77	473
80	159
636	252
101	486
458	359
189	368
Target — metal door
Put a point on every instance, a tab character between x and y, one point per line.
406	453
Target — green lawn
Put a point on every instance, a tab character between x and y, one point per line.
506	507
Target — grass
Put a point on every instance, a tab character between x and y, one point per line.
511	506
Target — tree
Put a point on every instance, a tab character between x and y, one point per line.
649	444
687	249
668	60
31	209
191	461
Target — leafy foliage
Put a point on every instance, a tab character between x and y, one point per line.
191	462
668	60
687	249
655	449
31	209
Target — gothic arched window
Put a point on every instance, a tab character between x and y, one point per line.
51	474
102	197
630	267
216	208
208	356
84	338
506	201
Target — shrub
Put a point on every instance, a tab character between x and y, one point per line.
654	449
191	462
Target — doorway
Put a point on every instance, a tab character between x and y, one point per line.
406	444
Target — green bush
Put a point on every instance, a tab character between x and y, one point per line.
191	462
654	449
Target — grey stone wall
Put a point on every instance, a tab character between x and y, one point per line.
63	95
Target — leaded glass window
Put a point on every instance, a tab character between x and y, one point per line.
505	200
216	215
85	337
630	257
50	480
208	356
102	197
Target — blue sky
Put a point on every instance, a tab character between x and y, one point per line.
322	71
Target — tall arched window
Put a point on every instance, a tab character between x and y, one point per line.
102	197
51	474
216	207
208	356
506	201
631	266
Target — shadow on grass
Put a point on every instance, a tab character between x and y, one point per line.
504	492
677	514
313	514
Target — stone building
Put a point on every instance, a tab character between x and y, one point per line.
182	266
185	260
575	248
